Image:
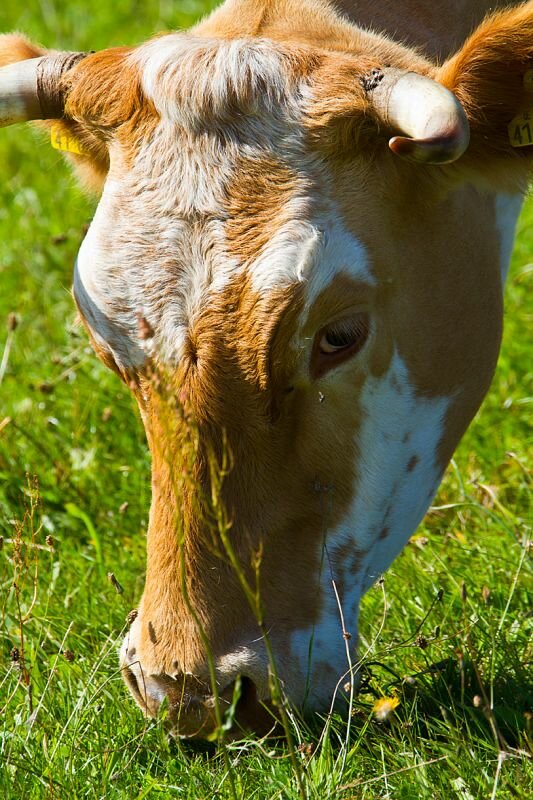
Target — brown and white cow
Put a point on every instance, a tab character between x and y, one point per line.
304	227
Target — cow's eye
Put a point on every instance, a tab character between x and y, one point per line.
338	341
343	335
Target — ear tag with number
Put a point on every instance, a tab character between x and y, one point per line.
61	140
521	129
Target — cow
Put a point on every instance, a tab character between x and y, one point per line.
306	212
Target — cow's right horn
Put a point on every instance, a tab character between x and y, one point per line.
433	123
32	89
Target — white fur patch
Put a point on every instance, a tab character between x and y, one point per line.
398	475
313	251
248	661
99	280
191	79
508	207
155	249
398	467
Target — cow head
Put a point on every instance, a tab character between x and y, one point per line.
308	318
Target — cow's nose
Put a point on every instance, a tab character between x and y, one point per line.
192	707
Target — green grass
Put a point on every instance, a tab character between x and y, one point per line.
67	726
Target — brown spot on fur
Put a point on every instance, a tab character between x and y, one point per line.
347	558
256	200
151	633
356	562
413	461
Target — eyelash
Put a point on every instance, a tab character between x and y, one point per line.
341	335
339	341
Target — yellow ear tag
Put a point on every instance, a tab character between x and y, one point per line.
521	129
60	140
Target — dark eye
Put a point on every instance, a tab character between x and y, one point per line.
339	341
339	336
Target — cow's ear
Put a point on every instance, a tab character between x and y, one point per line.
16	47
492	77
85	149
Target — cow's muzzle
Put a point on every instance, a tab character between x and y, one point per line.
192	709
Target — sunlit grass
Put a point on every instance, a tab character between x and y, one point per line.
446	635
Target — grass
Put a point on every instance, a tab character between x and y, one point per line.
453	613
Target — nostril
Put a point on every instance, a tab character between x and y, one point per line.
191	707
133	685
248	697
253	714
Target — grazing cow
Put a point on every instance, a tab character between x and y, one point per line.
297	264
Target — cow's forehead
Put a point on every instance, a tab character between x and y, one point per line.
208	203
144	257
196	81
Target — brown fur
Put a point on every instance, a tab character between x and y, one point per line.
256	204
17	47
487	75
105	102
436	29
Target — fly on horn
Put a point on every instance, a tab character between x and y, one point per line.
435	124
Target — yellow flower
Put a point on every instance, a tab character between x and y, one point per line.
384	707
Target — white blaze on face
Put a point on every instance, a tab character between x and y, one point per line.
397	475
313	251
103	291
189	77
155	248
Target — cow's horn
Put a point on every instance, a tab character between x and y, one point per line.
32	89
433	120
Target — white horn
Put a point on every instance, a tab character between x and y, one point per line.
32	89
433	120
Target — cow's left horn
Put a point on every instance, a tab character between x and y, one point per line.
32	89
433	120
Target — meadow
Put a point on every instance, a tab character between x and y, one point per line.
447	633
